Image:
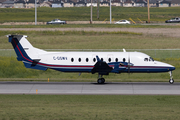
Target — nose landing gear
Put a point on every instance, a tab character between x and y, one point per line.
171	81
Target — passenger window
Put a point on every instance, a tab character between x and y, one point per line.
116	59
94	59
79	59
72	59
87	59
109	59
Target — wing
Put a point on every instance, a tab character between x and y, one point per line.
101	67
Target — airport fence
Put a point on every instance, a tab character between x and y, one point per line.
155	53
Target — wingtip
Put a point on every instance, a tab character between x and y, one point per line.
9	35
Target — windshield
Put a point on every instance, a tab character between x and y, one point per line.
151	59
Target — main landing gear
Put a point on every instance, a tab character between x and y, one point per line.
100	80
171	81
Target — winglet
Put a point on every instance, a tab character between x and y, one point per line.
124	50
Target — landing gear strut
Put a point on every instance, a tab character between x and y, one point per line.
171	81
100	80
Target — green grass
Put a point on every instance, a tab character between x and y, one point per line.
83	14
89	107
92	40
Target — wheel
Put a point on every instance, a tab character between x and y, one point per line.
100	80
171	81
103	80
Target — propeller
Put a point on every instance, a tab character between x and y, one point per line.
129	65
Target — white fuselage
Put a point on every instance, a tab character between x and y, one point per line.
85	61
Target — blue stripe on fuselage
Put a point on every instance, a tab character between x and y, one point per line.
135	70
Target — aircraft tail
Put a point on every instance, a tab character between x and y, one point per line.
26	52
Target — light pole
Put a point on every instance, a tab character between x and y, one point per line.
91	13
110	11
148	12
35	13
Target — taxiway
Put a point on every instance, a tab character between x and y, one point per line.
128	88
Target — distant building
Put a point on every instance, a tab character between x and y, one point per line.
20	4
153	3
80	4
104	3
31	4
141	3
175	3
88	4
116	3
128	3
68	3
7	4
46	4
164	3
57	4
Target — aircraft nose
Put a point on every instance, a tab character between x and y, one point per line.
172	68
167	66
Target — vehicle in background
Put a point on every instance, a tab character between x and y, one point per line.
57	21
123	22
173	20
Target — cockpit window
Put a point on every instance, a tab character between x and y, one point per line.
151	59
145	59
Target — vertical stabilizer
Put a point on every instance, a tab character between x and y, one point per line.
23	48
26	52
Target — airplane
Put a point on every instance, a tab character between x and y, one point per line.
102	63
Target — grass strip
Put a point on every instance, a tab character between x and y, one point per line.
98	107
57	32
45	14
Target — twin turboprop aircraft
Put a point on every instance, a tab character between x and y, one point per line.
102	63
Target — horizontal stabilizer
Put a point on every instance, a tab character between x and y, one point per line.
34	66
34	63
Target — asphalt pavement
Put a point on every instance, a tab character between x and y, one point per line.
118	88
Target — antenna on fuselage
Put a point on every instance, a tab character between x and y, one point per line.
124	50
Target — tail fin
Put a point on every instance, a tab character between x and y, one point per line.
25	51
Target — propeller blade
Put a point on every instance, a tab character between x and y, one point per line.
128	65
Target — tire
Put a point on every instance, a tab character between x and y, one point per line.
171	81
99	81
